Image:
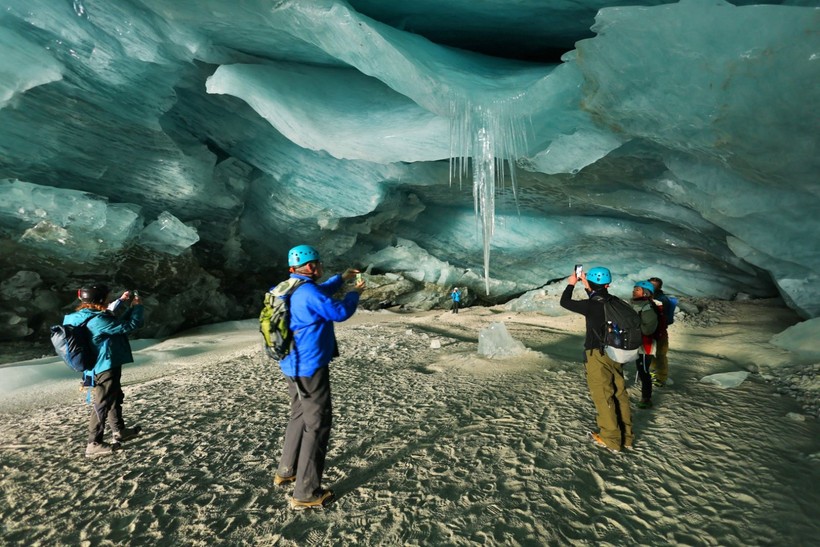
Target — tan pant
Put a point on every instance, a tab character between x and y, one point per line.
607	389
661	361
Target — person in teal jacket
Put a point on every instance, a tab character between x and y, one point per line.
109	336
456	296
313	310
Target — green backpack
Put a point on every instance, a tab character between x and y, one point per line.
274	319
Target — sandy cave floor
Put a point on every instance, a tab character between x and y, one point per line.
429	446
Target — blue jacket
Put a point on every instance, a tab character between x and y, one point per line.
313	311
109	335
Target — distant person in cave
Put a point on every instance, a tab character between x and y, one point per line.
456	296
605	377
313	310
109	336
653	324
660	374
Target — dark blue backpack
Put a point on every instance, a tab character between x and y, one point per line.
670	303
73	344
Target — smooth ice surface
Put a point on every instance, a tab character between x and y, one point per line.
726	380
802	339
168	235
303	103
490	144
496	342
65	223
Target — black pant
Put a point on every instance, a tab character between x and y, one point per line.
308	432
107	405
643	363
455	306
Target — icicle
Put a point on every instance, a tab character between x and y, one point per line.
488	135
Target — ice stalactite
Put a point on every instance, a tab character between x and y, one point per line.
488	139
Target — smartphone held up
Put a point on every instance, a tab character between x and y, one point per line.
579	269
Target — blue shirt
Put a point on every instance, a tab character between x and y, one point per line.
313	310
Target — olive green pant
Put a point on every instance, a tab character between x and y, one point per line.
661	362
607	389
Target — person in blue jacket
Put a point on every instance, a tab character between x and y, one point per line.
456	296
313	310
109	336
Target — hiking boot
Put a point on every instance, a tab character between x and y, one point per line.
645	403
279	480
316	502
600	443
95	450
126	434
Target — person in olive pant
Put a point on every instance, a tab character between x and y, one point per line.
661	362
605	377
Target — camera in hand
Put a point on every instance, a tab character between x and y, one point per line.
579	269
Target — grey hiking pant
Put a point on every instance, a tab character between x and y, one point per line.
308	433
107	404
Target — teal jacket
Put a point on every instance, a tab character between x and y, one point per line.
109	335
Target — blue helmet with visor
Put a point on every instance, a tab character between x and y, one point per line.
599	275
302	254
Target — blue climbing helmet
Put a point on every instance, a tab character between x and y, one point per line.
302	254
599	275
647	286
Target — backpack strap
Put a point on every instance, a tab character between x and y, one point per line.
295	286
90	317
89	373
94	315
290	292
661	313
600	333
90	387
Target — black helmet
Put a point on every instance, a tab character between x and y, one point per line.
94	294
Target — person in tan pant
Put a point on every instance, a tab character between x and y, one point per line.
605	377
607	389
661	362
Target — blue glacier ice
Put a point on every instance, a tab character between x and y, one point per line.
168	235
182	147
497	343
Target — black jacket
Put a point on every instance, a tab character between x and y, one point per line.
593	310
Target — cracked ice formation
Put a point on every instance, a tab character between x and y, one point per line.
666	140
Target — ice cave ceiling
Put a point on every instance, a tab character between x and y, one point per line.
183	146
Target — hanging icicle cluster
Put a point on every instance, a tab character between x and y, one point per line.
488	138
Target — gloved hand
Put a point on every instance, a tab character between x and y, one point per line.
269	351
